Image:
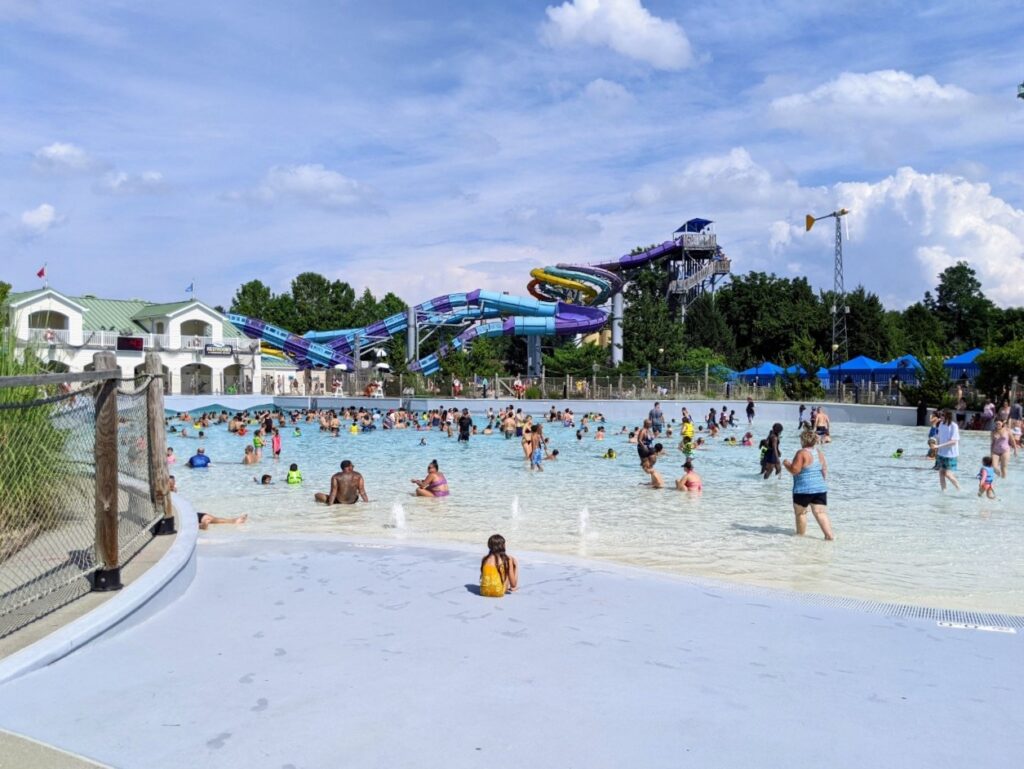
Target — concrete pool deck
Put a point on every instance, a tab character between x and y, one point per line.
322	653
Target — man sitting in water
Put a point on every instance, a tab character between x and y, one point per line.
347	487
199	459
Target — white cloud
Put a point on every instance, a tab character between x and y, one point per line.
530	222
884	89
63	158
607	92
312	184
39	220
121	183
625	26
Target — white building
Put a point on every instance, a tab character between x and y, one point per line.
202	353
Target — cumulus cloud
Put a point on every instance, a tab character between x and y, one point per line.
311	184
39	220
625	26
121	183
64	158
903	229
886	89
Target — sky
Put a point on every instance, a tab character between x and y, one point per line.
427	148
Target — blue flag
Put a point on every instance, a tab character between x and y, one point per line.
191	288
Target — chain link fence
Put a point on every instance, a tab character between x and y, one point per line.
49	495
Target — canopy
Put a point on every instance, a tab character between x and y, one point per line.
694	225
862	364
766	370
902	363
964	365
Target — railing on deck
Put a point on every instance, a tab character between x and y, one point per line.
83	483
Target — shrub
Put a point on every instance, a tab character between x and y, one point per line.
533	393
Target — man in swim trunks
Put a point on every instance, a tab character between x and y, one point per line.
657	419
822	426
347	487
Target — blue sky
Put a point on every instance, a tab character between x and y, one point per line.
425	148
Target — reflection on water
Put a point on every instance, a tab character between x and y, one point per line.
898	537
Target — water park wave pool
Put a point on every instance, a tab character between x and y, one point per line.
898	538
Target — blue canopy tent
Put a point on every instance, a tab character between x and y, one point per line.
904	368
964	365
694	225
821	373
761	374
859	370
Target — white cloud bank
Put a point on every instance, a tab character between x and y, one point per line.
904	229
311	184
39	220
121	183
625	26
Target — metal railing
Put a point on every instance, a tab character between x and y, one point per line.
83	483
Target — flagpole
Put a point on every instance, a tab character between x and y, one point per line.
46	276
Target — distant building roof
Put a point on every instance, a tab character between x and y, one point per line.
694	225
122	315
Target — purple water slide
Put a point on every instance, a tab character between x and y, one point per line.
631	261
579	319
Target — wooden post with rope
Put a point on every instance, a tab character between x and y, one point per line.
156	443
108	576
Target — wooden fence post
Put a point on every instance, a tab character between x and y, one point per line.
108	577
156	442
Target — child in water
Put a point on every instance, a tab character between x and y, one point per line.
748	439
610	454
986	476
898	454
499	572
294	474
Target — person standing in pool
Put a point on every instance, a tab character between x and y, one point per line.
823	426
772	456
1001	447
810	487
657	419
800	422
465	425
347	487
750	411
948	450
537	447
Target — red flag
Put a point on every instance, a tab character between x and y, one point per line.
42	272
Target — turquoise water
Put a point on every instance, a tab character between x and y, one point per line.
898	538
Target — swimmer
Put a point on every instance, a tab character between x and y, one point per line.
537	448
599	435
423	441
690	481
898	454
434	485
610	454
552	456
263	480
294	474
171	459
748	439
499	572
773	456
297	432
986	477
249	457
647	465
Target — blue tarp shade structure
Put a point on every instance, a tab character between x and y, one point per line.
905	367
765	371
821	373
694	225
859	369
964	364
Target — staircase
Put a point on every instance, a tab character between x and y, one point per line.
713	267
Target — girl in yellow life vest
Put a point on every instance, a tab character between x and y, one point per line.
294	474
499	572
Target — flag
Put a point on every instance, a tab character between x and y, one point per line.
191	288
42	272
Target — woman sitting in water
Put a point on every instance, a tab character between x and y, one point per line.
499	572
690	480
250	458
434	485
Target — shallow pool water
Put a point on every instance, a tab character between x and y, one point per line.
898	538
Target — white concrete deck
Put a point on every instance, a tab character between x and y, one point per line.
321	653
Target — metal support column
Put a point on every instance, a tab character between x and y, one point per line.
617	309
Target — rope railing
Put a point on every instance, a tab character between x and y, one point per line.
83	484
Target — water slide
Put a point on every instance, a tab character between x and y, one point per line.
562	303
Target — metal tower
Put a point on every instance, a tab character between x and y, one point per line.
840	348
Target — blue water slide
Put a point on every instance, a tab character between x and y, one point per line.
304	351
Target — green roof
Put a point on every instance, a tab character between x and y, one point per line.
159	310
122	315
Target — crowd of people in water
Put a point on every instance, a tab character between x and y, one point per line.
653	439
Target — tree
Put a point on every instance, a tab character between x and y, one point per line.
650	333
705	326
575	361
998	366
1008	325
921	330
766	313
253	299
963	310
804	352
696	359
933	383
5	289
